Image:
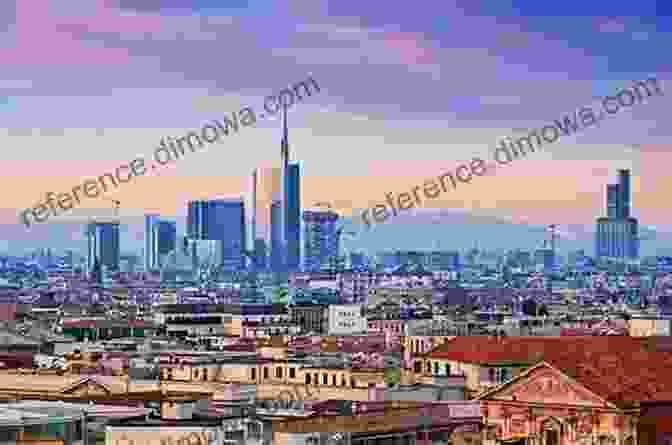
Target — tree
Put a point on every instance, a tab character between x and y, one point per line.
392	376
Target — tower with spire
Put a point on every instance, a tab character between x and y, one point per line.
290	207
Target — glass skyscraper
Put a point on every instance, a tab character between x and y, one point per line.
151	249
320	239
617	235
160	239
220	220
277	260
103	245
166	237
293	217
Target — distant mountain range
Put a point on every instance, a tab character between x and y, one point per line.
423	230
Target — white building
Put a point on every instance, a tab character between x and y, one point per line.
347	319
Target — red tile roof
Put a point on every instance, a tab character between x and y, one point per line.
622	370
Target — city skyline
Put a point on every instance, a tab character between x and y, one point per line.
415	144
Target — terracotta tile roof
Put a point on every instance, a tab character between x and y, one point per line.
620	369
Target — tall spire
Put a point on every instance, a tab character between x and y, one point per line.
285	138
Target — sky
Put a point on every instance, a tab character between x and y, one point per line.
408	91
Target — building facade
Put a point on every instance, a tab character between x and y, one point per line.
160	240
221	220
276	257
103	245
293	217
320	239
347	319
617	235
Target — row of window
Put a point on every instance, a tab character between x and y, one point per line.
309	379
417	368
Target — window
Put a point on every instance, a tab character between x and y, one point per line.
325	379
253	373
491	372
501	375
436	367
292	373
278	373
417	367
307	379
333	379
429	367
265	373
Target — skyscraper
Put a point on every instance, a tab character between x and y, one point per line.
160	239
290	211
103	245
613	197
253	209
220	220
260	254
320	239
277	258
284	182
617	235
166	238
624	193
151	246
293	217
197	220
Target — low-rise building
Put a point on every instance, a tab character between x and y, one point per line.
347	319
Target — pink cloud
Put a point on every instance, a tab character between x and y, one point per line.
42	37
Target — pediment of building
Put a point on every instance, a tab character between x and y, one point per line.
545	384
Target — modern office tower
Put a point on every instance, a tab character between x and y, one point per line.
284	183
220	220
617	238
103	245
290	195
160	239
358	260
260	254
277	259
166	238
444	260
197	220
388	260
251	239
267	192
544	259
624	193
151	244
613	198
320	239
617	235
293	218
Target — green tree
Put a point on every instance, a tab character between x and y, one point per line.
392	376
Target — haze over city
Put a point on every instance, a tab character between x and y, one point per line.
335	222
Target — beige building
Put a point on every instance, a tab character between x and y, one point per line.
647	326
